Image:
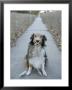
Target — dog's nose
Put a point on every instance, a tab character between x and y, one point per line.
37	40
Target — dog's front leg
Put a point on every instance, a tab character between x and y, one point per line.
29	70
39	72
43	70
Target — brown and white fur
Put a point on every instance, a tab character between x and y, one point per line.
36	54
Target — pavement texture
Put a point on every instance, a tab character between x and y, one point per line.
18	53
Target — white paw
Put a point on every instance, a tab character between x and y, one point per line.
44	73
28	73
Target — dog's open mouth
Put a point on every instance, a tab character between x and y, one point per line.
37	43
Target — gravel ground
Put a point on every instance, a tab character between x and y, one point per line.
53	23
17	63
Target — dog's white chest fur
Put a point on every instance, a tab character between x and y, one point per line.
37	51
37	57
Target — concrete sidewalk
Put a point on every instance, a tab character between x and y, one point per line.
18	53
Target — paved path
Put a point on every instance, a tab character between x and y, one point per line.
19	51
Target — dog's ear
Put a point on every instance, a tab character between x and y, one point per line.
43	40
32	37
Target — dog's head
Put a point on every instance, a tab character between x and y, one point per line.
38	39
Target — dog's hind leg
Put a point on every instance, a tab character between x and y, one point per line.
29	70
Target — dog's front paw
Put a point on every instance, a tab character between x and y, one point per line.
44	73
